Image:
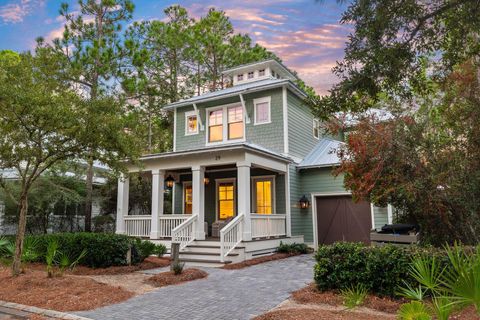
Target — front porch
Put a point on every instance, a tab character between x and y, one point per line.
226	196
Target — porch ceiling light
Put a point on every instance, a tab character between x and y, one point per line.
304	203
170	181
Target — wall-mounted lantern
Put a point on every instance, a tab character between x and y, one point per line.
304	203
206	181
170	181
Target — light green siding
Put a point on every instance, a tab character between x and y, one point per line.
266	135
381	216
300	127
305	183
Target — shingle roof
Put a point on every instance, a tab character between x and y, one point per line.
323	154
237	89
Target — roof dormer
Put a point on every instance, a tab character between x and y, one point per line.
269	69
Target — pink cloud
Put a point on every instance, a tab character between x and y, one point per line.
15	12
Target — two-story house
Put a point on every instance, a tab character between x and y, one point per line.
250	167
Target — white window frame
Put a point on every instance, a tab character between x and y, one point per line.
253	195
242	76
217	182
262	71
224	109
316	123
262	100
252	73
187	115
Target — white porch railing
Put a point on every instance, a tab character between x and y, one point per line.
231	236
138	226
184	233
168	222
268	225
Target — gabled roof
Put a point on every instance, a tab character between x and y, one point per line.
236	90
324	154
271	63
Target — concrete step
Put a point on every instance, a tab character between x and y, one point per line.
209	249
206	255
209	263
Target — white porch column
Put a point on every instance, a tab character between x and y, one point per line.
122	203
243	185
198	200
288	217
158	180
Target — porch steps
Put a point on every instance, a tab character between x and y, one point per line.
206	253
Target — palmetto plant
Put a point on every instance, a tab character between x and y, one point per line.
52	251
456	285
414	310
65	261
56	258
30	249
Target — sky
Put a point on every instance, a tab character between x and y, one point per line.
305	34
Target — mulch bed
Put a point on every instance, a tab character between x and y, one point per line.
148	263
311	294
169	278
254	261
312	314
67	293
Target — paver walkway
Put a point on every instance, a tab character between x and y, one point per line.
224	294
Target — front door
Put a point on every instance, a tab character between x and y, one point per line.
225	199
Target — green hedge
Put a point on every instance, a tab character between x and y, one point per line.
382	270
103	249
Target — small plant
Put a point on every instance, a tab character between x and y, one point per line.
177	268
442	307
66	262
145	248
414	310
295	248
354	296
409	292
52	251
160	250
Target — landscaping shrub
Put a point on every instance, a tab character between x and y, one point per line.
102	249
292	248
380	270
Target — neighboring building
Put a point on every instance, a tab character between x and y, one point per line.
243	159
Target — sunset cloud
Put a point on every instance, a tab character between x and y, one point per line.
16	11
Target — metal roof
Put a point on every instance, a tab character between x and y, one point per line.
272	63
324	154
237	89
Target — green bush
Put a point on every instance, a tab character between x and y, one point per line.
380	270
292	248
103	249
160	250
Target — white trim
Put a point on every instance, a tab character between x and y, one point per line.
262	100
173	197
184	184
288	202
253	196
389	213
187	115
285	120
314	210
372	212
313	128
175	130
217	181
224	124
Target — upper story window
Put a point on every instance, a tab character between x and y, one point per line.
261	73
262	112
273	73
215	125
235	123
191	123
225	124
240	77
316	128
251	74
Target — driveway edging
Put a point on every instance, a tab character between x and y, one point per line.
41	311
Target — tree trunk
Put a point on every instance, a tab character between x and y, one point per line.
89	196
22	223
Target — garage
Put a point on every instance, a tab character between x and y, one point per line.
341	219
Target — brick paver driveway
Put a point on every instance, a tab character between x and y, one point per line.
225	294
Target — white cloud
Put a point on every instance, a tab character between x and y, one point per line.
16	11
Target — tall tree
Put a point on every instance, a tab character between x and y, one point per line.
391	44
40	125
91	47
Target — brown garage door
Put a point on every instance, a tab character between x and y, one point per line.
340	219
